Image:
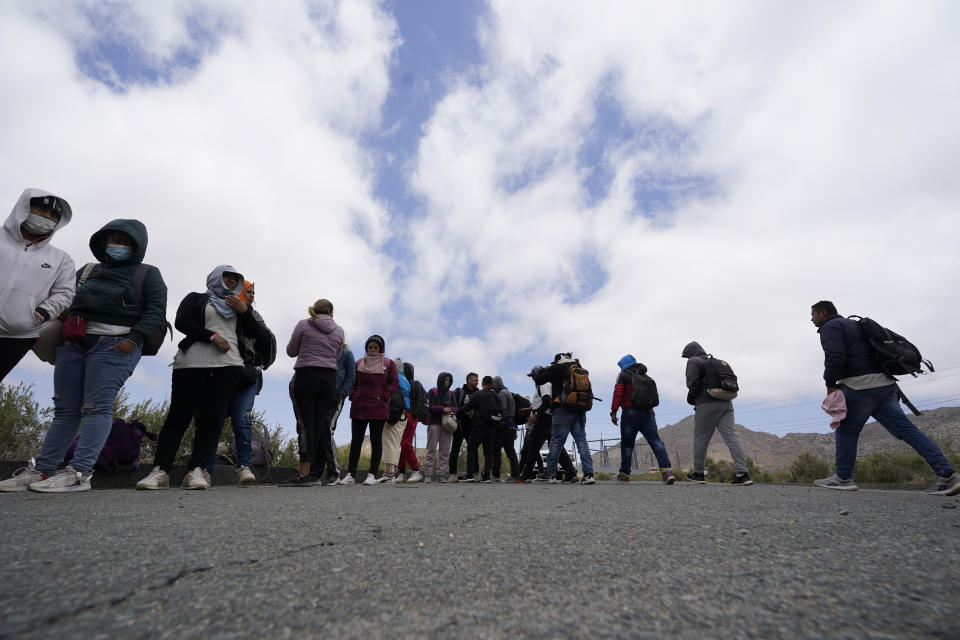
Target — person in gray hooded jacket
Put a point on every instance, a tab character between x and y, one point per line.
37	280
710	414
506	432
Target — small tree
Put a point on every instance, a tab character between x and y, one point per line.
22	422
807	468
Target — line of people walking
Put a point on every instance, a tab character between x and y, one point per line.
102	318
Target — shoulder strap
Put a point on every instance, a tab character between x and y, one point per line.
139	275
87	270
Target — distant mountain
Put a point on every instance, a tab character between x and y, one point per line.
775	453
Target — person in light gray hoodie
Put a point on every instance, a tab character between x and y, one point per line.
506	432
710	414
316	343
37	280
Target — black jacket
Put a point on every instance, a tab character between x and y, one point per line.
189	322
485	404
846	351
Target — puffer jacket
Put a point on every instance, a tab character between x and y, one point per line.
623	388
370	395
846	351
316	342
32	275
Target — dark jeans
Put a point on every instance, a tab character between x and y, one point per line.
535	440
358	428
314	395
200	392
506	434
486	436
644	422
883	404
12	351
461	435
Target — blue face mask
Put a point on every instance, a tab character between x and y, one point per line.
119	252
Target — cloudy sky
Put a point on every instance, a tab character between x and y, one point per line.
486	184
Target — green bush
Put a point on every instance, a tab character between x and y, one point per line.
22	422
807	468
893	468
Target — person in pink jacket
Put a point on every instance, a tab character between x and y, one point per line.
316	343
370	405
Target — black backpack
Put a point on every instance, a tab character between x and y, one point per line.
522	409
643	394
896	355
719	380
418	401
397	406
491	413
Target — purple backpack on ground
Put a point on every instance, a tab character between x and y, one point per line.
121	452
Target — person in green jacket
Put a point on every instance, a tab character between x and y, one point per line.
91	369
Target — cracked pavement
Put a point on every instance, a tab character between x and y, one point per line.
618	561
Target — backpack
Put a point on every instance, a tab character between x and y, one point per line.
576	393
260	444
719	380
522	409
895	354
418	402
643	394
121	451
397	406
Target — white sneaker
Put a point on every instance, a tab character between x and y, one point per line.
245	476
67	480
416	476
370	480
22	477
401	477
156	479
196	479
347	479
388	480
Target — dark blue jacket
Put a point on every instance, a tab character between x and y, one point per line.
846	351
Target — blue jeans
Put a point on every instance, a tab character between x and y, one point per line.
883	404
86	380
239	409
565	423
644	422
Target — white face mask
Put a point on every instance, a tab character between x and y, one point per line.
38	225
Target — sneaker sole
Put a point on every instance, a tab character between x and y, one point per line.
13	489
741	484
157	488
71	489
836	487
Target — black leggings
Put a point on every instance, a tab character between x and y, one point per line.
200	392
12	351
359	427
314	395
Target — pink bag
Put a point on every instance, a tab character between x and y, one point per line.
836	405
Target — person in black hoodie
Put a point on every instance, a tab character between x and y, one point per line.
91	369
487	415
206	370
464	424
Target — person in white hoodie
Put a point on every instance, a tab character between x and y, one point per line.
37	280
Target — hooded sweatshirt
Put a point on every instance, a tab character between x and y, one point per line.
32	275
696	368
109	297
440	397
316	343
507	404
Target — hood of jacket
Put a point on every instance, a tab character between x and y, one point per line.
626	362
133	228
323	324
693	349
444	381
21	210
408	371
497	383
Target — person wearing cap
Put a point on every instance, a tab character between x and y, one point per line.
377	379
207	367
316	343
111	318
565	421
37	280
539	425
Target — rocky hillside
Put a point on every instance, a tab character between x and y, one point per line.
778	452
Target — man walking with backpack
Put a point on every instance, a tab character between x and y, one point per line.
850	366
572	398
637	394
712	387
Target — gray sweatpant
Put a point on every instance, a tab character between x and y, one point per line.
710	417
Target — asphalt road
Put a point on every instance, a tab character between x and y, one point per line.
481	561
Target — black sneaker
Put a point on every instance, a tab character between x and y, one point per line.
742	480
699	478
588	479
570	478
297	481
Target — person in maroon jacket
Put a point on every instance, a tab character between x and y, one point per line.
370	405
